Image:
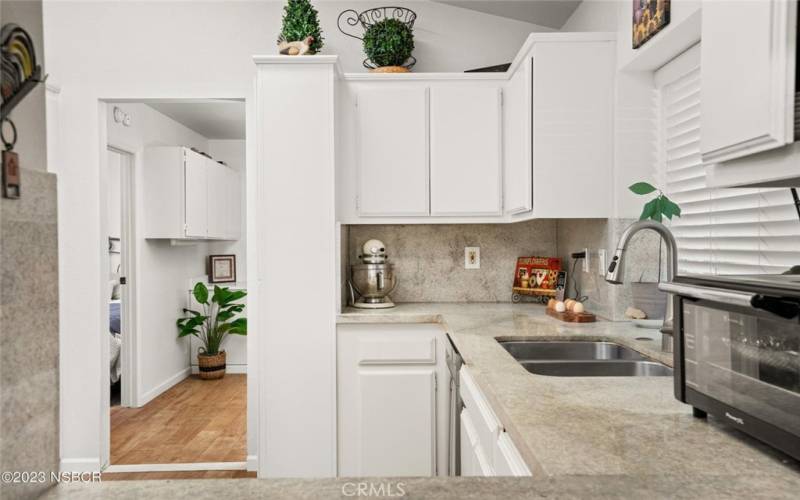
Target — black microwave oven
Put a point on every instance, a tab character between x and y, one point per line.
737	352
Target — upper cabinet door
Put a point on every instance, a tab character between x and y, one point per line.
195	186
748	59
234	218
218	193
517	160
392	151
466	155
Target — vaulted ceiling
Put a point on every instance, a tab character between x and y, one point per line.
550	13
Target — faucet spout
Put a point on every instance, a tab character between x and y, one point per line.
616	269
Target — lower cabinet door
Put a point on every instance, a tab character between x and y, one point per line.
474	461
507	460
397	421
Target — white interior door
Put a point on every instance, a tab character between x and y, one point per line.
196	195
466	151
392	151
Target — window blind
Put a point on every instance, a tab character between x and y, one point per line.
720	231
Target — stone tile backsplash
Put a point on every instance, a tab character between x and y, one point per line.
429	259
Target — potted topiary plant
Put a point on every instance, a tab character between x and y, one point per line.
300	33
388	44
646	295
213	325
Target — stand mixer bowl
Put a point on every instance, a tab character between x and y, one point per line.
373	282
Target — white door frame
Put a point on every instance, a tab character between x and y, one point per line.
129	352
130	361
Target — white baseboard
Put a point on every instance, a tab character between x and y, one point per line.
163	386
79	464
252	463
177	467
228	369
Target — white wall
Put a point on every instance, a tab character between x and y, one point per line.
116	50
595	15
162	270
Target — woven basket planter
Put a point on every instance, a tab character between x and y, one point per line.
211	367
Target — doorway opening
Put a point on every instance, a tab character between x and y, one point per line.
174	187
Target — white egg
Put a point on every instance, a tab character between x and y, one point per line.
560	307
578	308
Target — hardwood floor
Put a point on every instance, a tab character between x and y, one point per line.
194	421
201	474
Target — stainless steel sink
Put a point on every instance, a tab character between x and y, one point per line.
523	350
605	368
583	359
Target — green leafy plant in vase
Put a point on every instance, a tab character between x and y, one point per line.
300	33
646	296
212	325
388	45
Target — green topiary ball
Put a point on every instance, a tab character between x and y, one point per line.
388	43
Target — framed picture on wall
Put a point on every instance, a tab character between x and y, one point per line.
221	268
649	17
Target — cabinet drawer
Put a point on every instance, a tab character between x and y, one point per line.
507	460
383	351
487	426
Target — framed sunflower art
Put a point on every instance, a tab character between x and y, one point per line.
649	17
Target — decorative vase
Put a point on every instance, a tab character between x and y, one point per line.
211	366
648	298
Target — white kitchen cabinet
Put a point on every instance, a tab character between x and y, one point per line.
748	73
217	193
486	449
189	196
517	167
392	388
474	460
197	178
392	143
507	460
572	129
466	150
233	186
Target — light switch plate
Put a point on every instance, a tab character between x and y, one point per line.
472	257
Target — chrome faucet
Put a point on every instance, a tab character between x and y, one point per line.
616	270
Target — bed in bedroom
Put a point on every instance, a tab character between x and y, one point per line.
116	340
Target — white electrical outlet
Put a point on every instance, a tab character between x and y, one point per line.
586	267
601	262
472	257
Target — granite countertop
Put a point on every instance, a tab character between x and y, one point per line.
625	437
589	426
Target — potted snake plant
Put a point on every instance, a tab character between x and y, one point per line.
212	325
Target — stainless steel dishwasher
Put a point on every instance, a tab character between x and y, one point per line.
454	363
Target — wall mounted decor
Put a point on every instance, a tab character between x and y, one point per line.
221	268
387	36
19	72
11	180
649	17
